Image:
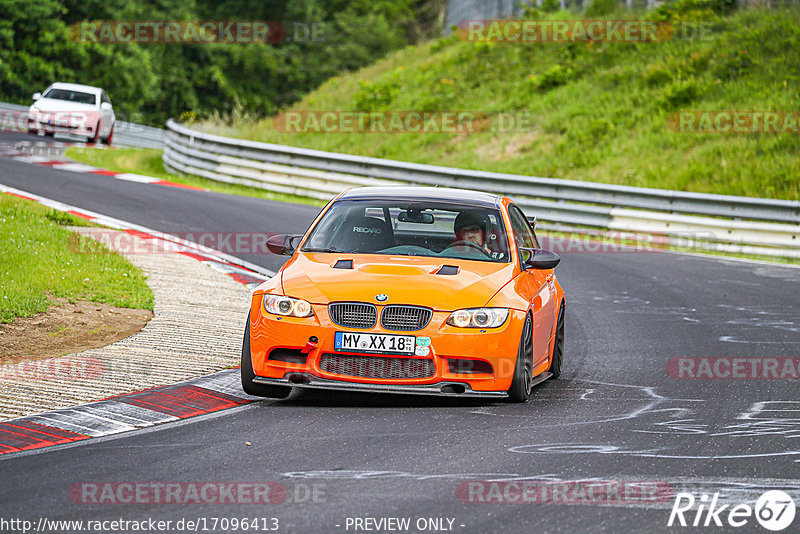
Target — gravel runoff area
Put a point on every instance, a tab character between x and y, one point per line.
197	328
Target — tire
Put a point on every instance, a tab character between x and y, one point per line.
96	138
49	134
557	359
107	140
250	387
520	388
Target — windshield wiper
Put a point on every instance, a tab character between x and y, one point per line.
331	249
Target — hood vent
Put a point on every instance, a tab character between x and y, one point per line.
343	264
447	270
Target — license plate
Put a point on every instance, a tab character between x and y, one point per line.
374	343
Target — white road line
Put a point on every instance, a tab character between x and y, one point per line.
130	177
74	167
80	421
227	382
127	413
32	159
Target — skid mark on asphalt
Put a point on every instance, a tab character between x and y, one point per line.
767	418
646	401
732	339
759	322
593	448
782	317
677	430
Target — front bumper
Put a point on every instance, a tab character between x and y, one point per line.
76	125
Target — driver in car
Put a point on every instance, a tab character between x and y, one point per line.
471	226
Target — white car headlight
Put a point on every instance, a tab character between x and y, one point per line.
478	317
280	305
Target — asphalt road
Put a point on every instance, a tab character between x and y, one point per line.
615	414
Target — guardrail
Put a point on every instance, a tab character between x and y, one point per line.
721	222
128	134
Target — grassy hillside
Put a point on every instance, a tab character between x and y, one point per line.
599	109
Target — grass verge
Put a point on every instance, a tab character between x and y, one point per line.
39	259
147	161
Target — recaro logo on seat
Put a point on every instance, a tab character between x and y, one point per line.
366	230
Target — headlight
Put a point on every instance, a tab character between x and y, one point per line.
280	305
478	318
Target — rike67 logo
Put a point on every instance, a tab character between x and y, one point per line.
774	510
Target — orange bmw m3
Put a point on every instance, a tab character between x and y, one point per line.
408	290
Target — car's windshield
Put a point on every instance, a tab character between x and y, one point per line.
71	96
411	228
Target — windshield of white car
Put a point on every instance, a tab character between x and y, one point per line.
411	228
71	96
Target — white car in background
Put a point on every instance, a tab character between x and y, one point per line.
73	109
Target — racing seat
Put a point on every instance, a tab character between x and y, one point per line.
365	234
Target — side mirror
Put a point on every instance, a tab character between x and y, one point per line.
105	106
540	259
37	96
282	244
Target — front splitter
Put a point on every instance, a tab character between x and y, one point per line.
440	389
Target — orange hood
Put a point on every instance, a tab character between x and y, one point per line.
404	279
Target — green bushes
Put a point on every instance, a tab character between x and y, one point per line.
679	93
150	82
599	8
555	76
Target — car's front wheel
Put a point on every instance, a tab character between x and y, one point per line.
522	382
250	387
557	359
94	139
107	140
